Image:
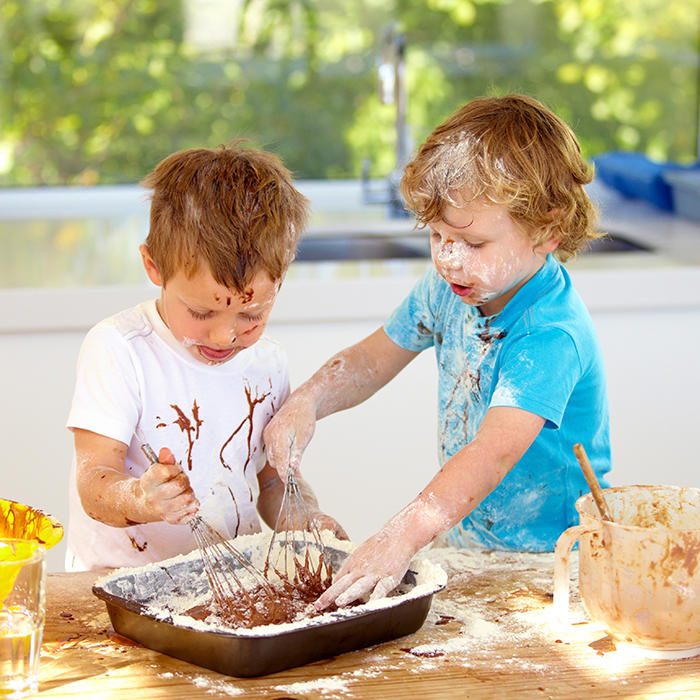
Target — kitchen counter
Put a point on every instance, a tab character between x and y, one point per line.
489	634
667	274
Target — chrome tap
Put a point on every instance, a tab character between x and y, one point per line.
393	90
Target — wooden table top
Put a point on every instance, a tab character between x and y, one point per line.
490	634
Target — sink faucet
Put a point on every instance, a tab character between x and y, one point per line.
393	90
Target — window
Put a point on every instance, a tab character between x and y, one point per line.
98	91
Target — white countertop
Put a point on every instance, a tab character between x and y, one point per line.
668	277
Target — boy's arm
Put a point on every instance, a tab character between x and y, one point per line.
346	380
463	482
110	496
272	494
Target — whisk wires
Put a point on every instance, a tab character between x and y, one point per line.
222	564
299	543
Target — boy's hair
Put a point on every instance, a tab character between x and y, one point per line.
513	151
232	208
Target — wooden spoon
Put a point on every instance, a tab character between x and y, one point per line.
593	484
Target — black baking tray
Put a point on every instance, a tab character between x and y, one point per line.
245	653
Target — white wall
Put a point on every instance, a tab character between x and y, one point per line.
368	462
652	361
36	386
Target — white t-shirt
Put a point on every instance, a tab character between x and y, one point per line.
133	372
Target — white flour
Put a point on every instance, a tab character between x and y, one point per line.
168	597
323	685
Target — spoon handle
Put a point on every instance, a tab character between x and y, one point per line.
593	484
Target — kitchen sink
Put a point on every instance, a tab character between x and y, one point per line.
386	247
317	248
614	243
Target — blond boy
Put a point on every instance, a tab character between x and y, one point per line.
500	187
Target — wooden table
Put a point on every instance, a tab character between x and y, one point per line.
490	634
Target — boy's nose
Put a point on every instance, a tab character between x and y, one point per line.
223	335
447	256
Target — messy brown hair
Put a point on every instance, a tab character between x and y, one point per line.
511	151
233	208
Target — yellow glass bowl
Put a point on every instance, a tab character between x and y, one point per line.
26	523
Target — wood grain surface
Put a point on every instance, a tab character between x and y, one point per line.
490	634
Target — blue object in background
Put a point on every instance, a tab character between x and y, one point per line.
636	176
685	185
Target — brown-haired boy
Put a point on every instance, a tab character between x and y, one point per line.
191	370
500	186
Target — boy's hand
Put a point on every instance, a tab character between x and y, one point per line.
378	566
271	508
166	489
288	434
321	522
325	522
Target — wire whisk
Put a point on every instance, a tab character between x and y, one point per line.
238	588
296	553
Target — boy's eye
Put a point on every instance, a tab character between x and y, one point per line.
253	317
198	315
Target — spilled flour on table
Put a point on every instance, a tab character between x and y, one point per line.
321	685
212	686
215	686
474	619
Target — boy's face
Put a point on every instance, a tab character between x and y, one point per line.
213	322
483	255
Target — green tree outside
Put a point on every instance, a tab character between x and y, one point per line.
98	91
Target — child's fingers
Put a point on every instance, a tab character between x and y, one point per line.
165	456
159	474
384	587
325	522
287	435
167	489
180	514
346	589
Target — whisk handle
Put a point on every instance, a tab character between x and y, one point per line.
150	454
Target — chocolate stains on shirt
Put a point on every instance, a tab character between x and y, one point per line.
238	515
253	402
138	547
468	383
190	426
187	427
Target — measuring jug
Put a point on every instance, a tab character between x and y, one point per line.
639	576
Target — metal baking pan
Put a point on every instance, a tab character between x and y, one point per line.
131	595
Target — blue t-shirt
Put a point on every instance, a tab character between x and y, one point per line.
540	354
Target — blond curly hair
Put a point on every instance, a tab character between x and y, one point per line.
511	151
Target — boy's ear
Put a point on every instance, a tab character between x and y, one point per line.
550	245
150	266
